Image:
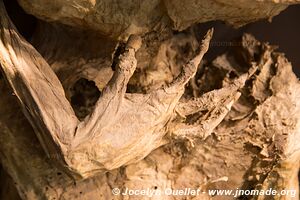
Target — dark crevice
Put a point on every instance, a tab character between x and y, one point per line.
118	51
84	97
193	118
25	23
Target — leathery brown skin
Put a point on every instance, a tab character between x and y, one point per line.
123	128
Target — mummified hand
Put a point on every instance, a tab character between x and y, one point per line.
123	128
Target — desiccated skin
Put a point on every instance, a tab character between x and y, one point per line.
217	103
123	128
254	147
248	149
242	134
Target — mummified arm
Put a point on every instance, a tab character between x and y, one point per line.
115	133
42	96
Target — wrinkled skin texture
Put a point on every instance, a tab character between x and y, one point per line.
235	130
94	144
119	19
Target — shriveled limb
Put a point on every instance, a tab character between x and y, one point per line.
112	96
208	100
116	133
216	105
141	121
204	126
38	89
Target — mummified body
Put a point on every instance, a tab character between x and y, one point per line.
234	126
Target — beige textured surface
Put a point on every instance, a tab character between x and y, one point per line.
122	18
236	125
120	122
236	12
250	146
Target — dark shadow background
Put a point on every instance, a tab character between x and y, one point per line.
283	31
